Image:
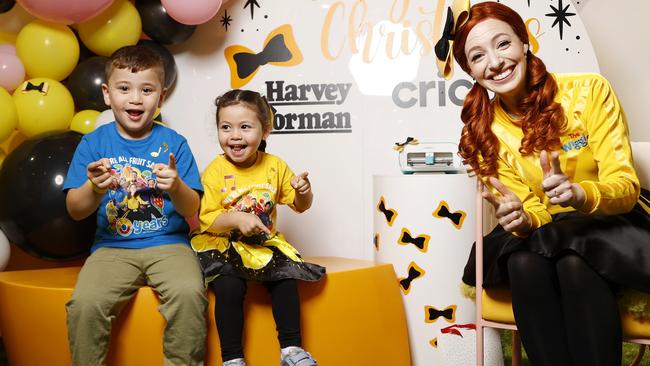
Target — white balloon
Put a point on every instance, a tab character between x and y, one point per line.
105	117
5	251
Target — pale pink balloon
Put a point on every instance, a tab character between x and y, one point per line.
65	11
191	12
12	71
8	48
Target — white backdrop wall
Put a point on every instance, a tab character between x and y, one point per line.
620	39
367	69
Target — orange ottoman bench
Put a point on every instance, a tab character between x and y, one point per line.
353	316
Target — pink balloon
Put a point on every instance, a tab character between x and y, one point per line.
65	11
191	12
8	48
12	71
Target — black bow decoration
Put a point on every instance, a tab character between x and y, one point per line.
421	241
456	217
41	88
399	146
414	272
432	314
442	46
389	213
275	51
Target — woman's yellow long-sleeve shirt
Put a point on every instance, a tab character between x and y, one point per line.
595	151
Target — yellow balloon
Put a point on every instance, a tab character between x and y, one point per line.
47	50
2	157
13	142
8	115
43	105
117	26
7	38
84	121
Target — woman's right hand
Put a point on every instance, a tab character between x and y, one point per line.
509	209
250	224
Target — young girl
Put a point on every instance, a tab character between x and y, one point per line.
238	238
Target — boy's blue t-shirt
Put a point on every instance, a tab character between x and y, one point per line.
134	213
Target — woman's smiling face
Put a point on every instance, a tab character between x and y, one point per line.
497	59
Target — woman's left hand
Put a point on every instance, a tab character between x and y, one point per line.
556	185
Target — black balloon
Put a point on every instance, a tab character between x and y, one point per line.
168	59
6	5
32	205
159	26
85	84
84	52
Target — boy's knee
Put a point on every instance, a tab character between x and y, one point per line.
86	301
187	292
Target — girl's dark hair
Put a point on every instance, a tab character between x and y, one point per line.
544	118
253	100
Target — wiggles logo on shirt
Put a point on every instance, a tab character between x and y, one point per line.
578	141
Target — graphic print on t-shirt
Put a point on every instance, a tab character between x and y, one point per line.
135	205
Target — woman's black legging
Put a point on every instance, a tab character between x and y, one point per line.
566	313
229	313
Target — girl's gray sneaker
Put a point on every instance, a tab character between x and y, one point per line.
297	357
235	362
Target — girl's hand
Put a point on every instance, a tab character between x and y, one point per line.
557	185
99	174
166	175
509	209
249	224
300	183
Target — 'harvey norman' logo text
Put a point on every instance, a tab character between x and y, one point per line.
307	96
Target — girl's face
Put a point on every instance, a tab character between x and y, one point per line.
240	134
497	59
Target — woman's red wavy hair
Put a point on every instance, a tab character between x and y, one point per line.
543	119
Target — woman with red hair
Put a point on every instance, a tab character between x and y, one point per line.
554	153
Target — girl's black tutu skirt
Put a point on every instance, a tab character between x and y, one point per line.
251	258
616	246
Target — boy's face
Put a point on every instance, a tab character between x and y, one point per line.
134	97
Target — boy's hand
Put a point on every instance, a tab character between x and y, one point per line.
556	185
249	224
99	174
300	183
167	175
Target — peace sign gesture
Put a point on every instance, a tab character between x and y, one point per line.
557	185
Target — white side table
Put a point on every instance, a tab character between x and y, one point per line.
431	261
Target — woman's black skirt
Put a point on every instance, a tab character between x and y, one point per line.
616	246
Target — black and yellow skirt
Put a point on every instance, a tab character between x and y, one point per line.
617	246
253	258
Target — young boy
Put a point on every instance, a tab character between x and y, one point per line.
142	237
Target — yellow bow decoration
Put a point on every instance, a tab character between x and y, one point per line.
457	16
280	49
